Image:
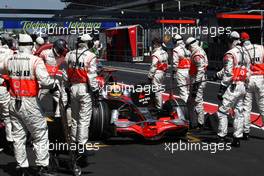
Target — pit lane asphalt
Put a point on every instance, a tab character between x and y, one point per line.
123	156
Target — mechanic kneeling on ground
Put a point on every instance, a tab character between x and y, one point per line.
26	72
158	70
84	90
234	75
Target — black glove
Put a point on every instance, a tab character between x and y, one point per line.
68	93
95	97
68	105
214	77
221	92
7	84
18	103
54	89
195	87
149	80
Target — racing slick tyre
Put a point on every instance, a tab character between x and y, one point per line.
171	106
100	127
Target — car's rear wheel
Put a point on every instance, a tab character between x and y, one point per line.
100	127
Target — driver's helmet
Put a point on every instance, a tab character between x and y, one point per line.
115	90
60	46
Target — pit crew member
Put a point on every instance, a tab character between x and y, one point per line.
181	64
26	72
256	81
82	73
235	75
158	70
199	63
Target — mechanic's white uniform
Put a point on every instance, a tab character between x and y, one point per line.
98	46
52	64
234	76
4	96
82	78
199	63
256	82
157	73
182	64
26	72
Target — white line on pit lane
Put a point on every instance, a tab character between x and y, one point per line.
145	72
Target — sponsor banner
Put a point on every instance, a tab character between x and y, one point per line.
35	24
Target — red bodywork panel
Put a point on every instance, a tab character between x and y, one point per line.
149	131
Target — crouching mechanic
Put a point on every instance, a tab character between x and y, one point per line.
232	90
26	72
4	94
181	64
158	70
256	81
53	59
82	73
199	63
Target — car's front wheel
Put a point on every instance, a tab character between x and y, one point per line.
100	127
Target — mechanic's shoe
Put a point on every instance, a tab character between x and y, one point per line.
193	127
82	161
45	171
22	171
235	142
221	139
197	128
200	126
245	136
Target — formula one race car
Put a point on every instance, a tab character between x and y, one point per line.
131	113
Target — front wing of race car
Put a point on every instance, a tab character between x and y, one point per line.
152	129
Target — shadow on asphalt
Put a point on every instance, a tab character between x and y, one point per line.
9	168
256	137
